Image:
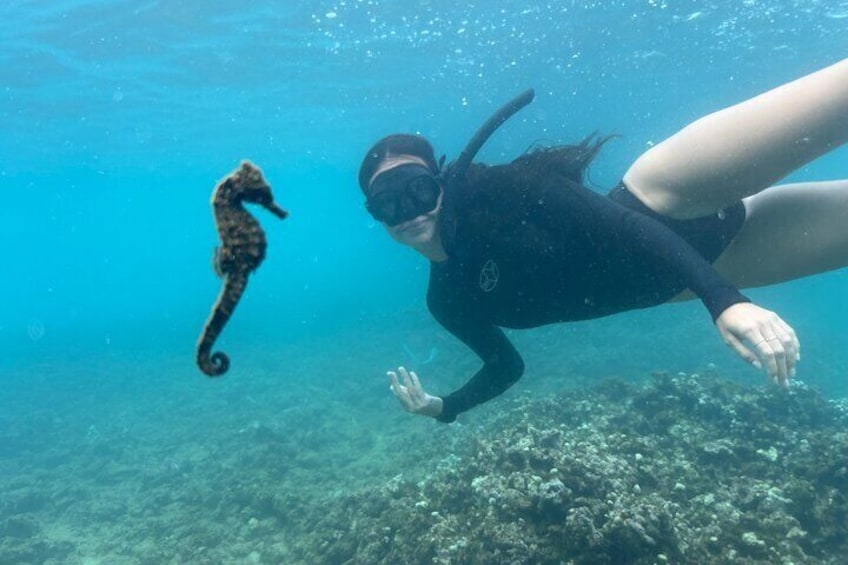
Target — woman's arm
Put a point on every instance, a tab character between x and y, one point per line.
502	364
497	374
411	394
627	238
738	321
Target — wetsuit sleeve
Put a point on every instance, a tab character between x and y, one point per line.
502	365
658	243
629	233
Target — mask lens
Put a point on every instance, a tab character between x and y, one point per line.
425	191
385	207
404	194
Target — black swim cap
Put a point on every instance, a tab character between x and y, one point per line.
396	144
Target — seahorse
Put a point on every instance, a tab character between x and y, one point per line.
241	252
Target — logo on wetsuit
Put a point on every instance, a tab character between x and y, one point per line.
489	276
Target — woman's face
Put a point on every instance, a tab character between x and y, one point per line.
417	231
422	229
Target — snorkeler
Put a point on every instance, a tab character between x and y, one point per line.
524	244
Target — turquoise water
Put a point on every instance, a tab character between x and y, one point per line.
119	117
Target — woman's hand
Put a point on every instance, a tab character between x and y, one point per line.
412	395
776	345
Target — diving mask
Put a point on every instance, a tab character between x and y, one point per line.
403	193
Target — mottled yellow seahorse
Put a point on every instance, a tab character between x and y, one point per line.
241	252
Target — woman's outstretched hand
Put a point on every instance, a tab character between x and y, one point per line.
774	343
412	396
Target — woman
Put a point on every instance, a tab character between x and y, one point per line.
526	244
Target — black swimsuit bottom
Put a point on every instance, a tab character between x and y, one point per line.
709	235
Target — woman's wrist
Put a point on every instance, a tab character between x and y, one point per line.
433	408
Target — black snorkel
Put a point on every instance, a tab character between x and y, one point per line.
456	170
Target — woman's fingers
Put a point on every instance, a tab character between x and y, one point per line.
417	389
793	339
777	353
409	383
408	389
736	344
783	348
393	381
401	391
761	338
415	382
775	359
787	338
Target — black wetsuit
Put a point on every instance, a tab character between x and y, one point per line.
556	252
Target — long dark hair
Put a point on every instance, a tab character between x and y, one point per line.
568	162
479	196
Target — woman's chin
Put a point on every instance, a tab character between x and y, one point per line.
416	231
418	237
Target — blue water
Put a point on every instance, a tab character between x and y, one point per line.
118	118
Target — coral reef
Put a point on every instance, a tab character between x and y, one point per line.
681	469
684	469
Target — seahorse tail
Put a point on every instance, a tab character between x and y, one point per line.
216	364
213	365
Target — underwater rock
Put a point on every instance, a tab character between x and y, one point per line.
677	470
22	541
681	469
20	526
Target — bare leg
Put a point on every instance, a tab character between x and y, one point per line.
743	149
791	231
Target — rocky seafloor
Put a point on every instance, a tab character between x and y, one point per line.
684	469
680	469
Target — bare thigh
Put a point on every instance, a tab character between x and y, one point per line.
790	231
744	149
